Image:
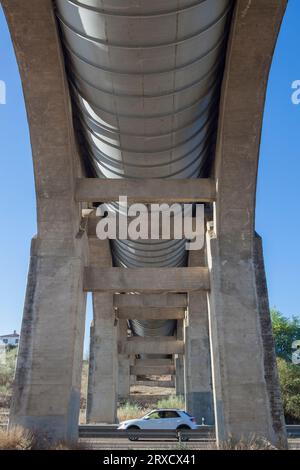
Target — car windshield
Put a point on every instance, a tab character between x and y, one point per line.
153	415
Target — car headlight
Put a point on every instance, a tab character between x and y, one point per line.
122	425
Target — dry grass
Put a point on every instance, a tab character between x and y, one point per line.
17	438
252	443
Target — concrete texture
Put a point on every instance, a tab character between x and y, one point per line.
270	366
145	279
123	363
242	401
197	366
48	374
163	300
150	313
189	190
103	367
151	345
46	395
179	362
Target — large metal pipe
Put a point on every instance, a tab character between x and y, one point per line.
145	81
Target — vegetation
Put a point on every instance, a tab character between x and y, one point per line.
286	331
290	390
18	438
7	368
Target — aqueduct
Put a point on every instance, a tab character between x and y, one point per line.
120	95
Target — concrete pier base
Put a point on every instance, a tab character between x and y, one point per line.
123	364
240	367
179	363
103	367
198	387
46	395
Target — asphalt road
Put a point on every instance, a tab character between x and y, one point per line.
154	444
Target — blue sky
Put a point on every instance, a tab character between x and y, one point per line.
278	196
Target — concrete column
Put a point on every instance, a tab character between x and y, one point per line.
124	363
179	363
103	367
245	402
46	396
198	389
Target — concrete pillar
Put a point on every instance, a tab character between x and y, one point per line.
46	395
198	388
179	363
124	363
245	401
103	366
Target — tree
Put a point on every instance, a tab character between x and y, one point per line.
289	375
285	331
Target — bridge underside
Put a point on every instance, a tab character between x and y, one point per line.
117	100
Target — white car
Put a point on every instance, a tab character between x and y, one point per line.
172	419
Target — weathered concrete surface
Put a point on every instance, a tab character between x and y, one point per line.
145	190
145	279
179	362
151	345
163	300
197	367
270	366
103	367
123	363
55	158
46	395
138	313
242	401
47	385
152	370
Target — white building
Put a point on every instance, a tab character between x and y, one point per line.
10	340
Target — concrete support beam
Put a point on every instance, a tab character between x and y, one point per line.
197	368
152	345
138	313
124	363
146	279
48	375
152	370
46	394
163	300
239	366
146	190
179	363
153	362
153	227
103	367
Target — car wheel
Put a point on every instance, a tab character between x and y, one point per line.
183	438
133	437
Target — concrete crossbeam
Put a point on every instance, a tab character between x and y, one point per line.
153	227
154	362
166	300
146	279
146	190
152	370
138	313
151	345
